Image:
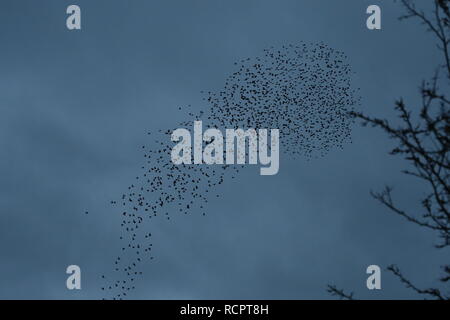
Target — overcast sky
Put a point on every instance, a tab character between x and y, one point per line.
76	107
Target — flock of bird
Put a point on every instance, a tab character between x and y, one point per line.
303	90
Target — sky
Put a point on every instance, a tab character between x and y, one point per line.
77	105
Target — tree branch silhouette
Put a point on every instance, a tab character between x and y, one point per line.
334	291
434	293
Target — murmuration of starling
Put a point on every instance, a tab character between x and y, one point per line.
303	90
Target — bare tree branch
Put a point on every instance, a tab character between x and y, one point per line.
439	25
334	291
434	293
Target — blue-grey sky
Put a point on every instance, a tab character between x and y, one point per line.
76	107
